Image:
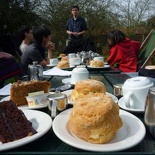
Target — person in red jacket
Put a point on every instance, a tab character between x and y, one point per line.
123	51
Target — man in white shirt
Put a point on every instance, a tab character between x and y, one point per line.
27	38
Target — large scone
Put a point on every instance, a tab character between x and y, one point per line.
19	90
89	86
96	63
95	118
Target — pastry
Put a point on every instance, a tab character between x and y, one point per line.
63	64
96	63
89	86
95	118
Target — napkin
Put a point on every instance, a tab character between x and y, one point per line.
57	72
5	90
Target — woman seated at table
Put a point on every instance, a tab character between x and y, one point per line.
122	51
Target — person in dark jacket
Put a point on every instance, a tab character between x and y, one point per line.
76	28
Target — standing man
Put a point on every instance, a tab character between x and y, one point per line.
37	50
76	27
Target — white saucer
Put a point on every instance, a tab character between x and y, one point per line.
66	80
122	105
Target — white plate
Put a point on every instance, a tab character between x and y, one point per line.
130	134
66	80
105	66
24	106
68	93
5	90
122	105
41	123
51	65
68	67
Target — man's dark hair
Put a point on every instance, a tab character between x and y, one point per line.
40	32
75	6
23	30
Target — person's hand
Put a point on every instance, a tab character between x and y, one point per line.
50	45
75	33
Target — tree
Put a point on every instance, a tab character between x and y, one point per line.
15	13
133	13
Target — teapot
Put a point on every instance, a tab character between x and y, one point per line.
35	71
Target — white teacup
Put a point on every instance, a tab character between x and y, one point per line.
79	74
74	61
99	58
135	91
71	55
54	61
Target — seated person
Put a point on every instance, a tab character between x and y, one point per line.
37	50
122	51
8	67
26	35
76	27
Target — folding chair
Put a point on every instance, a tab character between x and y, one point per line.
147	51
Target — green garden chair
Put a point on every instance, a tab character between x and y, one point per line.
147	51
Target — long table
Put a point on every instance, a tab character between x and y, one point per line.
51	144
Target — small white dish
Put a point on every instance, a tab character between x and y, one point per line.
130	134
105	66
41	121
68	93
23	107
122	105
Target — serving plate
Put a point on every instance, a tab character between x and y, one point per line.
105	66
68	93
51	65
41	122
130	134
25	106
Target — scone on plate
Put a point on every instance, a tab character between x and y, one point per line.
62	55
89	86
64	58
63	64
95	118
96	63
